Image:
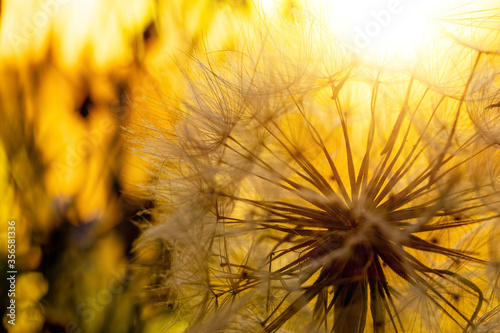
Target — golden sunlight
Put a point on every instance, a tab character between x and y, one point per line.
384	29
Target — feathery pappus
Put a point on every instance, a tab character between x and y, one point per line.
301	189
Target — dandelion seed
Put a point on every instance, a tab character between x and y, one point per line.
345	206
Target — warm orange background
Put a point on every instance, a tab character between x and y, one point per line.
75	76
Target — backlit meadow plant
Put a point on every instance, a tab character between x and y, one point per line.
305	186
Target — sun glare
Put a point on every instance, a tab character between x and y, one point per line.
384	29
268	6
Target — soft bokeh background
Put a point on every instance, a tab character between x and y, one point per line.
74	74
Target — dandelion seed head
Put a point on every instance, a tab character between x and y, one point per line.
346	200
